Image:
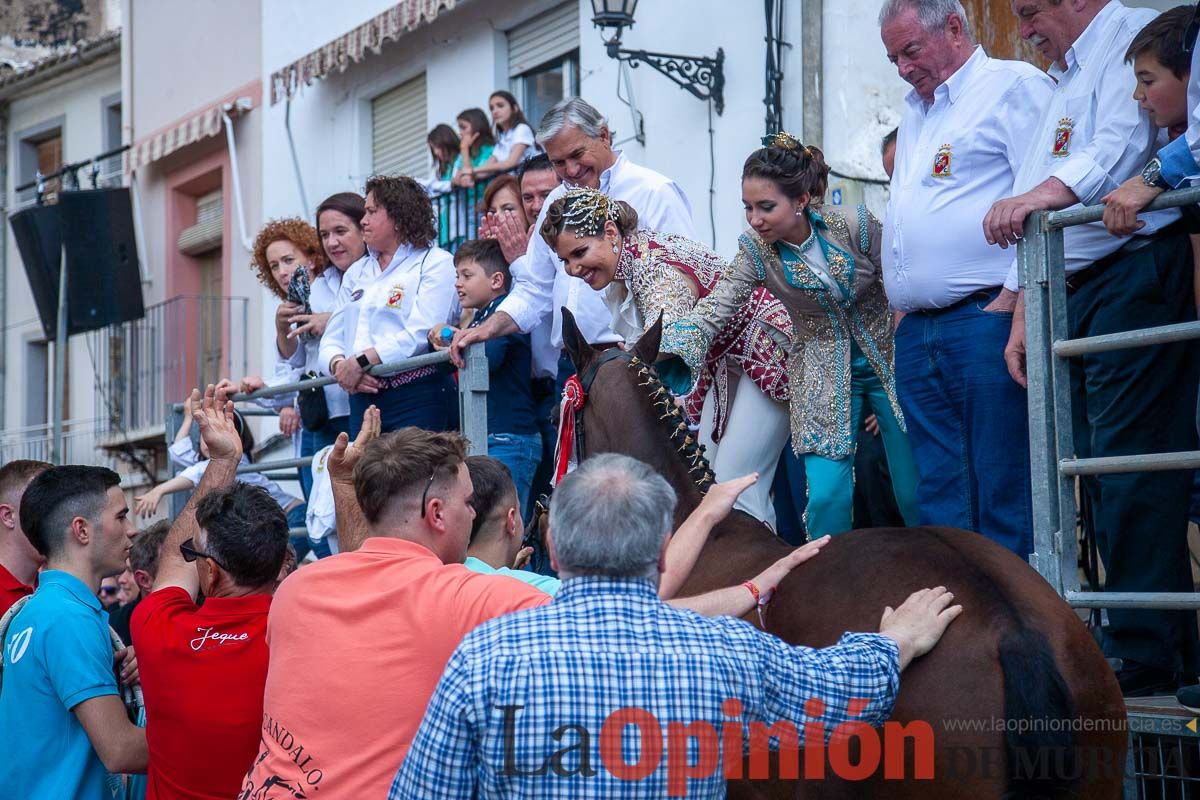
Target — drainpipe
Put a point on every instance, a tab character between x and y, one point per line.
3	260
287	125
242	104
811	66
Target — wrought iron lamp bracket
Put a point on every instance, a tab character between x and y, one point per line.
704	77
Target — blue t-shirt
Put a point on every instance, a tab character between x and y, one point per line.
57	654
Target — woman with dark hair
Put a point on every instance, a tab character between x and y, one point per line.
387	303
475	146
642	274
514	136
443	148
503	196
825	271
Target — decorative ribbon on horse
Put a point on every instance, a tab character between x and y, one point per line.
564	450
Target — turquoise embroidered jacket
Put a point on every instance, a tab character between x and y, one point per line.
823	325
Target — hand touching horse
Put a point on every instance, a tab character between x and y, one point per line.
1019	701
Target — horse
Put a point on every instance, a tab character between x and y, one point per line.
1020	701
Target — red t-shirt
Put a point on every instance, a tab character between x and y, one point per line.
203	670
11	590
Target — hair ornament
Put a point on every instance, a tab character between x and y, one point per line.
785	141
586	210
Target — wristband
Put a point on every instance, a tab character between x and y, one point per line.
761	600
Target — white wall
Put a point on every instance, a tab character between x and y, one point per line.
76	97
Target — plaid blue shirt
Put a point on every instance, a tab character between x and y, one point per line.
499	711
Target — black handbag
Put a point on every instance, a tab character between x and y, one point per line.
314	411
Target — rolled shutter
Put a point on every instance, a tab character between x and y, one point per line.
206	234
398	130
544	38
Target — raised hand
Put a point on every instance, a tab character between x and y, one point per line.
217	429
146	504
344	455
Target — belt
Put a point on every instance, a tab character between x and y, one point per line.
1076	280
403	378
974	297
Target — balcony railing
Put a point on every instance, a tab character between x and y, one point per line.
458	210
36	442
143	364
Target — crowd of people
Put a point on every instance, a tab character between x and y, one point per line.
832	355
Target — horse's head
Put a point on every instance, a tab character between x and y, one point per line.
628	410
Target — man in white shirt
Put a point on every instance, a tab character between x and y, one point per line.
576	138
1091	138
964	130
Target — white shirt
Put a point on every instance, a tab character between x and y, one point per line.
390	309
320	517
540	285
322	298
954	159
1108	137
522	134
196	471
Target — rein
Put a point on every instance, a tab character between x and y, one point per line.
571	440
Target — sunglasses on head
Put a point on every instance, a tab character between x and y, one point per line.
190	554
1189	33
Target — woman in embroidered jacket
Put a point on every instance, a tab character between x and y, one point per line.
826	274
644	273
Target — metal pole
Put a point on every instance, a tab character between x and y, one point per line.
472	399
59	445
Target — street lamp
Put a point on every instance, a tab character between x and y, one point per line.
702	76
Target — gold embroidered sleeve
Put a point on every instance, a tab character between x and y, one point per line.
663	289
690	336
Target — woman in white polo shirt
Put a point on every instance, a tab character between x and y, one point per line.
387	303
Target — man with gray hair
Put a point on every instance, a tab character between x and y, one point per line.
521	706
576	138
962	136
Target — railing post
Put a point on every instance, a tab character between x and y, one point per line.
1034	268
1066	550
472	399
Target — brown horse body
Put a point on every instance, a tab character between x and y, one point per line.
1018	655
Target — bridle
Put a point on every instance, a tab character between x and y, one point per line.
586	379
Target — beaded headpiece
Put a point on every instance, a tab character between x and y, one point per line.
785	141
586	210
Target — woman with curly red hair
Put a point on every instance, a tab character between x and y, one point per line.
387	304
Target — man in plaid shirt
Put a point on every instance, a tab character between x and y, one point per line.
609	692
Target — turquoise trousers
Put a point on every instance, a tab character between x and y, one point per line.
831	481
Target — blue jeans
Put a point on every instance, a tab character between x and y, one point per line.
521	453
430	403
300	542
967	421
311	443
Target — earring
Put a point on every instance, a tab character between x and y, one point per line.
799	212
615	248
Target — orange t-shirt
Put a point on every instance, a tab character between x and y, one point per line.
357	643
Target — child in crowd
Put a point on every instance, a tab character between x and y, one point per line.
514	136
183	454
475	147
1163	69
483	282
498	529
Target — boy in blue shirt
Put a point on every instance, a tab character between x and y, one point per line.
513	437
63	725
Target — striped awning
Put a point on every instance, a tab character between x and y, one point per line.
353	46
189	130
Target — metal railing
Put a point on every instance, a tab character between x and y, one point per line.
1052	453
37	442
183	342
458	211
472	406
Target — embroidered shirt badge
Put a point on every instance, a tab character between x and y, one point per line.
941	162
1062	138
395	296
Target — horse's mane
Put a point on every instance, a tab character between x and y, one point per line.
675	426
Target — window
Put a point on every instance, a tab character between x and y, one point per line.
37	383
543	60
398	131
110	127
40	150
